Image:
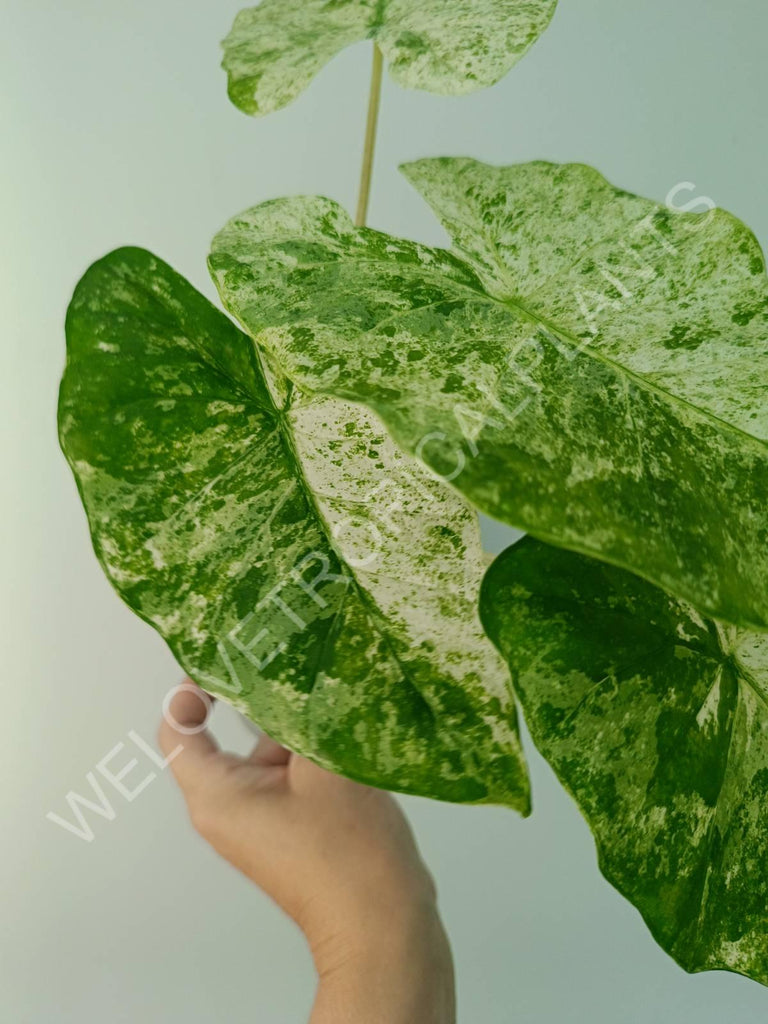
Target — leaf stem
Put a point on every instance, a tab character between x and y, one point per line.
370	139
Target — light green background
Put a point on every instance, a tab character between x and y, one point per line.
116	129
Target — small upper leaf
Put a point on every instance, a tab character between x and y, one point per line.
656	721
445	46
296	562
586	365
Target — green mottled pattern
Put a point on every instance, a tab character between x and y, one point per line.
296	562
444	46
656	721
586	364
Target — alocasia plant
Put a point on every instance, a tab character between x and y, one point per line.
445	46
296	562
586	365
656	720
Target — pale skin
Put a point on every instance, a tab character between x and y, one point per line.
338	857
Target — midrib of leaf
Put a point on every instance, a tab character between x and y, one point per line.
724	664
372	610
728	651
744	674
512	299
716	814
643	383
517	305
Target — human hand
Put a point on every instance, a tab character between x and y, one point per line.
338	857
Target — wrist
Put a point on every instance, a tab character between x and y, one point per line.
346	917
380	930
396	964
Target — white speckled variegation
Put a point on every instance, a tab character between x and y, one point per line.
586	364
297	563
656	721
444	46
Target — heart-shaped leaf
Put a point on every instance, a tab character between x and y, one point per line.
295	561
656	721
587	365
445	46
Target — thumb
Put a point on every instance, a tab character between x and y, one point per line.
183	736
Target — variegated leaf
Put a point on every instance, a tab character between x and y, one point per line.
295	561
445	46
587	365
656	721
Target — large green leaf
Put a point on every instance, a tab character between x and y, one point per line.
656	721
294	560
586	365
445	46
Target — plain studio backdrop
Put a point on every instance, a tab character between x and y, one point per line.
117	130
